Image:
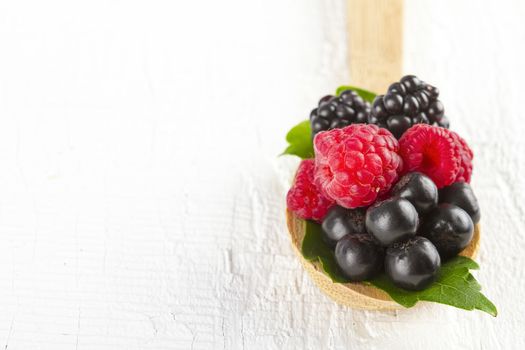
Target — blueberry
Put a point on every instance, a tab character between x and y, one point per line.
462	195
391	220
412	264
419	190
449	227
340	222
359	257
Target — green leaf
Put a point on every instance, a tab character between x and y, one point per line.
300	136
455	285
315	249
300	141
365	94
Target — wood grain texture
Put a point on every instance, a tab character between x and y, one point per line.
354	295
375	41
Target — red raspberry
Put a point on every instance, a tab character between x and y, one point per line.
304	199
437	152
466	156
356	164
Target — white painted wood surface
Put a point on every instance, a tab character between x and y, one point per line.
141	200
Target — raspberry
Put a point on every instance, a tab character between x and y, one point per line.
466	156
303	198
339	111
408	102
436	152
356	164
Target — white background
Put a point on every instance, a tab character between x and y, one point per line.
142	200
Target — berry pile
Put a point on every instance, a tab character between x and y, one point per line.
408	102
339	111
399	207
406	235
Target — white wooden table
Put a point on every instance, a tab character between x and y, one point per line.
141	199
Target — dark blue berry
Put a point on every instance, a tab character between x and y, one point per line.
359	257
449	228
391	220
462	195
412	264
419	190
340	222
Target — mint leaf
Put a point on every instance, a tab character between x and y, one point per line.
365	94
455	285
300	141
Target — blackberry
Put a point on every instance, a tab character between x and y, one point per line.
407	102
339	111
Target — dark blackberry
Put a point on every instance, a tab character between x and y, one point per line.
339	111
407	102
